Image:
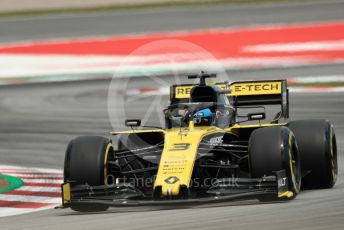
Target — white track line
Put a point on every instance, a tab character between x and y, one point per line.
48	66
297	47
33	176
32	169
317	79
28	198
316	89
47	181
39	189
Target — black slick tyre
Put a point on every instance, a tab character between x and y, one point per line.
85	162
273	149
318	152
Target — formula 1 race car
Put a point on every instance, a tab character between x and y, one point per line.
207	152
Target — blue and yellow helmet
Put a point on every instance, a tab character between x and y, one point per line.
203	117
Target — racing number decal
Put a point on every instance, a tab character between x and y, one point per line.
180	146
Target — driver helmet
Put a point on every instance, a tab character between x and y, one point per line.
203	117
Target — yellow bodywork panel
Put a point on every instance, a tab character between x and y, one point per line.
180	153
179	156
66	193
287	194
239	126
235	129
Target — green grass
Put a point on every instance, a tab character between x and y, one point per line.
132	6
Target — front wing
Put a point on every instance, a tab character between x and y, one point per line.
123	195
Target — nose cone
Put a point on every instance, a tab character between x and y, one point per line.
177	160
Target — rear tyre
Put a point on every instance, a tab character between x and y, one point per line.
85	162
318	152
273	149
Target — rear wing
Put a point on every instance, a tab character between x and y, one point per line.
181	93
245	93
251	93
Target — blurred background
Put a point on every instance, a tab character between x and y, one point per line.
70	68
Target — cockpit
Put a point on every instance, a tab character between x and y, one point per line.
207	105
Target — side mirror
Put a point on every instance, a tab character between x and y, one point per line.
133	123
255	116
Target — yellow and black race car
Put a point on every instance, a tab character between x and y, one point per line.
208	152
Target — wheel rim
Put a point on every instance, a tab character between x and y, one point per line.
333	155
294	165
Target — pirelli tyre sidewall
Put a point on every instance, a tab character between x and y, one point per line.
272	149
86	162
316	140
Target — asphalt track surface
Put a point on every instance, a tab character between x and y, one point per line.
162	19
37	122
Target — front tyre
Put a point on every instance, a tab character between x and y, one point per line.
86	162
273	149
